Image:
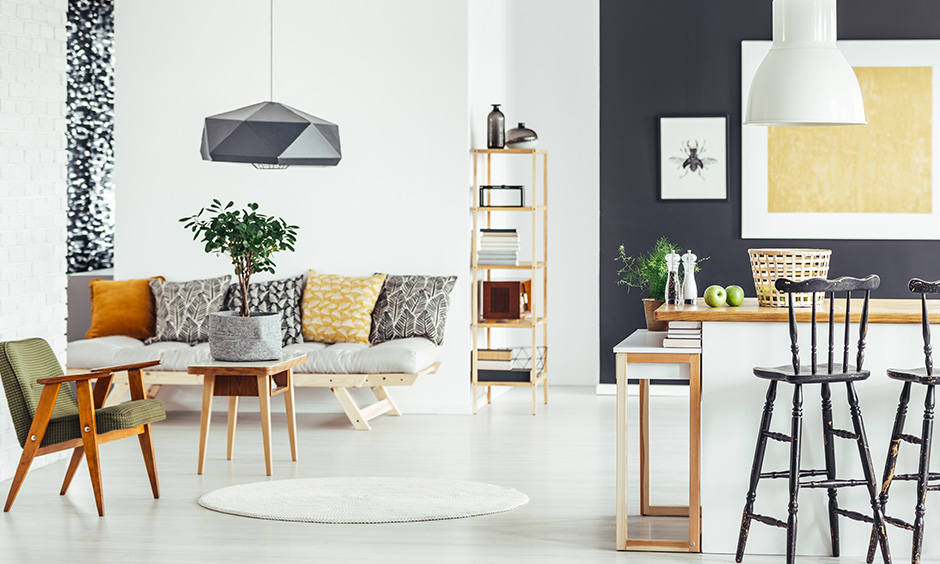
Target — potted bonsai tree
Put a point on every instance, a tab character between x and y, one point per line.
249	239
648	272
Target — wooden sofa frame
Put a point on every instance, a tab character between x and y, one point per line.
337	383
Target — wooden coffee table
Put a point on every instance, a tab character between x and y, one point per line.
237	379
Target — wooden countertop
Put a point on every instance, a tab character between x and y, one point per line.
880	311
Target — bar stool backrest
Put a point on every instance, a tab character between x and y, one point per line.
922	287
841	285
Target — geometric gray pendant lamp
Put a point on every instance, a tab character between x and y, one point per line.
270	135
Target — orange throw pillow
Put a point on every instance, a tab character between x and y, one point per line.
122	307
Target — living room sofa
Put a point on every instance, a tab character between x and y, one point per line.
404	330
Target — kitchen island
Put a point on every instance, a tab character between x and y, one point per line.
734	341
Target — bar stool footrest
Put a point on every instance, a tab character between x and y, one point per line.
778	436
767	520
833	483
844	434
786	474
898	523
914	477
854	515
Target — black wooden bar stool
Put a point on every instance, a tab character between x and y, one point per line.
923	476
824	375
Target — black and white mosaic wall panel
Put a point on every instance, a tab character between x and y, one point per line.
90	129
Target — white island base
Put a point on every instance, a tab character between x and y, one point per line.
732	401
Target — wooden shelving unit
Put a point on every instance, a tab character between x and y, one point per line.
536	266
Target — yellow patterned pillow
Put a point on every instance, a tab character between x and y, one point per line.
338	309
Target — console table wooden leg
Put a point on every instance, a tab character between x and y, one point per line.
621	451
208	387
695	453
291	415
232	417
644	446
264	398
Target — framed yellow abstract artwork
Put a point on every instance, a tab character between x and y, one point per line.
872	181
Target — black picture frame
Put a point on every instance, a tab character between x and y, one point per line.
685	149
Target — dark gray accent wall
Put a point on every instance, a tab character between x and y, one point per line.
684	56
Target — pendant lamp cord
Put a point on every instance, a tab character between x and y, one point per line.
271	51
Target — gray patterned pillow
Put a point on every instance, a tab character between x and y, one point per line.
282	296
183	308
412	306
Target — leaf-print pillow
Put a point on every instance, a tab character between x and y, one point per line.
183	308
412	306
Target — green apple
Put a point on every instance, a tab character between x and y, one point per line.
715	296
735	295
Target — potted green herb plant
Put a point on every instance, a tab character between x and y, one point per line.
249	239
648	272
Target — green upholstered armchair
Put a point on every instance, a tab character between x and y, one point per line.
48	418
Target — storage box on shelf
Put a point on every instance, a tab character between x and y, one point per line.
496	250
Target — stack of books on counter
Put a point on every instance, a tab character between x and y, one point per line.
683	335
498	247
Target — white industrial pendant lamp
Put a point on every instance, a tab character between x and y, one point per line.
804	79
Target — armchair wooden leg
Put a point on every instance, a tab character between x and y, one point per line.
86	414
77	456
37	431
29	452
146	447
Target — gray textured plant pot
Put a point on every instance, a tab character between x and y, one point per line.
242	339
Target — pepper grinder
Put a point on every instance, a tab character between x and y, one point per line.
673	290
689	290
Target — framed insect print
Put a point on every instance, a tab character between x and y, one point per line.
693	157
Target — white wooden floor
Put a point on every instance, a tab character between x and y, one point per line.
563	459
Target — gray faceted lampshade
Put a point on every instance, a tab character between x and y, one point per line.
272	134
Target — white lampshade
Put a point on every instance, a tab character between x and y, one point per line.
805	79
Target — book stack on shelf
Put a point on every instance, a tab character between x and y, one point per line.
509	365
683	335
498	247
494	359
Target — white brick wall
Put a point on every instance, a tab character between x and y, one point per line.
32	185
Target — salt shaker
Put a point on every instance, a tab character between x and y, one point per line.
673	291
689	290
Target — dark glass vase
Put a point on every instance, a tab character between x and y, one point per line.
495	129
521	138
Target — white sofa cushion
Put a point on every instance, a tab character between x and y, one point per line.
391	357
398	356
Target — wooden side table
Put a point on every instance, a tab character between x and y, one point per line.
645	347
237	379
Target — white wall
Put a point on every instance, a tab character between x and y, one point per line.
541	60
32	186
409	84
393	75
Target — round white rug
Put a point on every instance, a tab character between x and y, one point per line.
363	500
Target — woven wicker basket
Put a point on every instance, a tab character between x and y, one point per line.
796	264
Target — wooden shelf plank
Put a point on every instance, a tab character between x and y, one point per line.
510	151
509	208
514	323
523	265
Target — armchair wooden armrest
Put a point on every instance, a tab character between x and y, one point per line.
123	367
74	378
